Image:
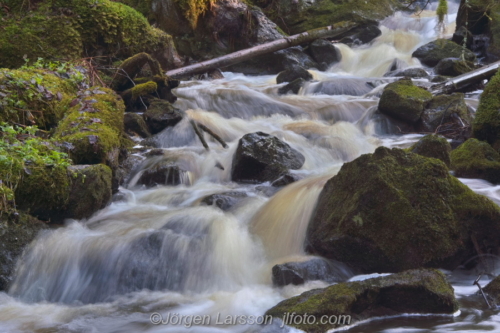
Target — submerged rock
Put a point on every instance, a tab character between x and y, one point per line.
422	291
160	115
293	73
394	210
433	146
486	125
432	53
476	159
293	87
404	101
314	269
162	173
261	157
224	201
409	72
453	67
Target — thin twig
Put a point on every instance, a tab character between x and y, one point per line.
199	134
215	136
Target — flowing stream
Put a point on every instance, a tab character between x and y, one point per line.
162	250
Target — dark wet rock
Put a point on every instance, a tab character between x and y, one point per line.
448	115
323	51
409	72
224	201
404	101
486	124
439	78
292	87
15	234
433	146
492	289
313	269
261	157
362	35
126	167
285	180
341	86
268	191
432	53
162	173
135	125
293	73
380	214
423	291
476	159
462	34
160	115
453	67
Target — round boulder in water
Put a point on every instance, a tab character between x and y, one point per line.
433	146
292	74
432	53
261	157
323	51
453	67
476	159
394	210
224	201
403	100
160	115
486	125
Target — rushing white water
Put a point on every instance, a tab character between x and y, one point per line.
163	250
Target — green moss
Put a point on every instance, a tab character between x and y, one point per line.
433	146
34	97
94	127
486	125
414	214
404	101
417	291
476	159
193	9
298	17
143	89
69	29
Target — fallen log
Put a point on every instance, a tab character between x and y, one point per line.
465	80
273	46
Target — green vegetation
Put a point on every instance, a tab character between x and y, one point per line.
68	29
193	9
433	146
442	10
476	159
486	125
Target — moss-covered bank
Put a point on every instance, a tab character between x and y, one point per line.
486	125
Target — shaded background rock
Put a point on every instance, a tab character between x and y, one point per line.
432	53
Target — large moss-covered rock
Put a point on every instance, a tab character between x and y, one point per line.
93	127
394	210
299	16
476	159
483	18
432	53
404	101
486	125
36	96
15	233
433	146
261	157
71	29
416	291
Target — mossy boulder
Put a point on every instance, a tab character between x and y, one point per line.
447	114
453	67
486	125
404	101
476	159
15	234
423	291
36	96
160	115
432	53
395	210
298	16
433	146
93	127
71	29
261	157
